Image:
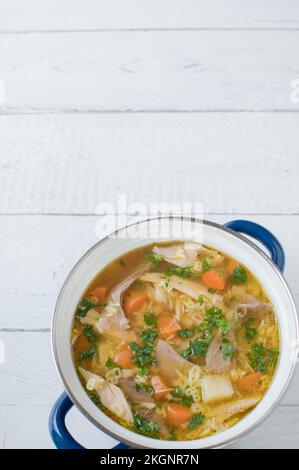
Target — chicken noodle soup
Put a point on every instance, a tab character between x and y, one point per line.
175	341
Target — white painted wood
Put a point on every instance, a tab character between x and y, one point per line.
154	70
32	15
68	164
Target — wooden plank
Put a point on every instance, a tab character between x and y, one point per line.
32	15
154	70
68	164
278	431
38	252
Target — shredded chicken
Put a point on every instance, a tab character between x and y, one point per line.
214	358
169	361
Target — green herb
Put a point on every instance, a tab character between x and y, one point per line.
149	335
146	387
200	300
87	354
185	273
154	259
228	349
143	356
239	276
261	358
205	265
150	319
83	307
250	333
197	348
142	426
215	318
184	399
110	363
196	420
211	290
88	331
185	333
173	434
95	397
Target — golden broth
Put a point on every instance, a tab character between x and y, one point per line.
183	349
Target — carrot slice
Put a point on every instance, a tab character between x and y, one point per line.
100	293
168	326
249	383
178	414
123	357
231	265
160	387
134	301
214	279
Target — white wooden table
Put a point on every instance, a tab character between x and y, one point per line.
165	101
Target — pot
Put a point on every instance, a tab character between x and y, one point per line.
226	238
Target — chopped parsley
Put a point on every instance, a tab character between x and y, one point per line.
211	290
90	334
147	388
239	275
88	353
83	307
250	332
154	259
200	300
197	348
185	273
95	397
143	357
215	318
205	265
185	333
150	319
110	363
142	426
196	420
228	349
261	358
149	335
184	399
173	434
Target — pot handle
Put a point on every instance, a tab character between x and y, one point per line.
261	234
59	433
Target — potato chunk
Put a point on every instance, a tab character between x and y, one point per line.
216	388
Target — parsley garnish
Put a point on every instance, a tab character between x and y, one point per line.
228	349
216	318
150	319
88	331
95	397
83	307
261	358
154	259
143	357
185	333
142	426
110	363
149	335
146	387
196	420
239	276
205	265
250	333
87	354
185	400
181	272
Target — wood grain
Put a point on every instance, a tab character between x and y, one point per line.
68	164
32	15
149	70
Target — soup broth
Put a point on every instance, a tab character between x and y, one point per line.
175	341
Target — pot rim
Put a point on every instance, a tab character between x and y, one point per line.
223	442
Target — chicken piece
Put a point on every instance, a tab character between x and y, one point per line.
216	388
114	316
136	396
193	289
169	361
185	254
223	412
111	396
214	358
